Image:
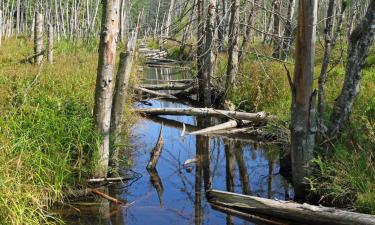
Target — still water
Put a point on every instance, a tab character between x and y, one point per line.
175	193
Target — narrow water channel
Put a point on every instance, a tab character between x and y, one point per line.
175	194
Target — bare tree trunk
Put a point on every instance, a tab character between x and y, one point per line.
169	18
50	44
200	47
330	42
104	81
38	36
360	42
18	17
232	68
246	37
1	27
303	116
276	29
221	21
209	55
287	41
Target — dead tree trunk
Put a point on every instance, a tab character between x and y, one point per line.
330	42
200	47
276	29
209	55
232	68
303	119
360	42
50	44
38	37
169	18
104	81
246	37
288	31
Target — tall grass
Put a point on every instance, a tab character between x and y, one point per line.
47	140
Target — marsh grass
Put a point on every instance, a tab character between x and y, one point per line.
47	138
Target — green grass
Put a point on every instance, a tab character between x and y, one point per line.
47	138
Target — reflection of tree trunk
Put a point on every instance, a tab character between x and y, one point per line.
203	143
198	190
230	161
244	176
270	173
157	184
115	210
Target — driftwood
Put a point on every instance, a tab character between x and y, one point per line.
103	195
175	87
219	127
110	179
259	117
155	93
156	151
301	213
169	81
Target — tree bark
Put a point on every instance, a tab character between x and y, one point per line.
276	29
360	42
104	81
209	55
50	44
303	119
287	41
169	18
200	47
232	69
38	36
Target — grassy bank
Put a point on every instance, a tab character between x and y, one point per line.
47	139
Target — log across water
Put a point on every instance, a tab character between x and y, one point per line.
302	213
259	116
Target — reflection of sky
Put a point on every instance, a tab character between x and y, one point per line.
179	184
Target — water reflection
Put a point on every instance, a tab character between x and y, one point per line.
175	193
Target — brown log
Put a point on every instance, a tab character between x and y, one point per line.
302	213
103	195
259	116
156	151
157	184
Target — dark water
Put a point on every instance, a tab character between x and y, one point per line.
175	193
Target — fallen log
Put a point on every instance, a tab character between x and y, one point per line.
223	126
103	195
302	213
109	179
169	81
156	151
259	117
155	93
174	87
157	184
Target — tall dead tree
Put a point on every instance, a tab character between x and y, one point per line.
360	41
104	80
330	38
50	44
303	113
169	18
38	36
287	40
246	36
232	68
200	46
276	28
209	55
